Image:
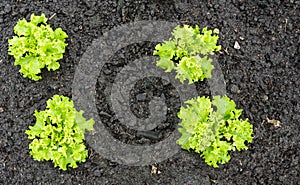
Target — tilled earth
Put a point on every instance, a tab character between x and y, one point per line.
261	75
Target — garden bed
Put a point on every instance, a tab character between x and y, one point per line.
259	60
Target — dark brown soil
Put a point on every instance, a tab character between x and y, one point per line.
262	77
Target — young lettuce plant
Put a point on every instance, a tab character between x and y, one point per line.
188	52
36	46
58	133
213	128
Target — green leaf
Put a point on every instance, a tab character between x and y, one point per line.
22	28
17	48
165	64
213	133
58	133
36	46
184	139
166	52
225	107
201	107
35	20
82	123
206	67
189	50
217	153
189	68
59	34
239	131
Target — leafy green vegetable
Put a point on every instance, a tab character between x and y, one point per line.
214	133
36	46
188	53
58	133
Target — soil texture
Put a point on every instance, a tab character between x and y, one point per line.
259	60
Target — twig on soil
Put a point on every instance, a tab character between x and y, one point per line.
225	51
274	122
52	16
286	21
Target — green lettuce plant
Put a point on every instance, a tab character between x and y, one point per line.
36	46
213	128
188	52
58	133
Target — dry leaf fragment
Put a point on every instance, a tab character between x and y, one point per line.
154	170
274	122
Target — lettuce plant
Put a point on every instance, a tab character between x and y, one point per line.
187	53
36	46
213	128
58	133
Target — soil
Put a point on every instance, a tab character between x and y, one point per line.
262	77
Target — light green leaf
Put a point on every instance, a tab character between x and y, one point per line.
36	46
38	19
206	67
189	50
165	64
23	28
213	133
184	139
58	133
225	106
82	123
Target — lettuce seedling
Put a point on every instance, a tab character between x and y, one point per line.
188	52
36	46
58	133
213	128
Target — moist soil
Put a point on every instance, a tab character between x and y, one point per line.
262	77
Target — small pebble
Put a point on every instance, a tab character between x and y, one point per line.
141	97
90	13
7	8
22	10
97	173
1	110
236	45
234	89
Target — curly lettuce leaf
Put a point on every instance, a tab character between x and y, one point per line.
226	107
194	127
82	123
36	46
238	131
213	133
217	153
188	52
189	68
166	52
194	69
58	133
